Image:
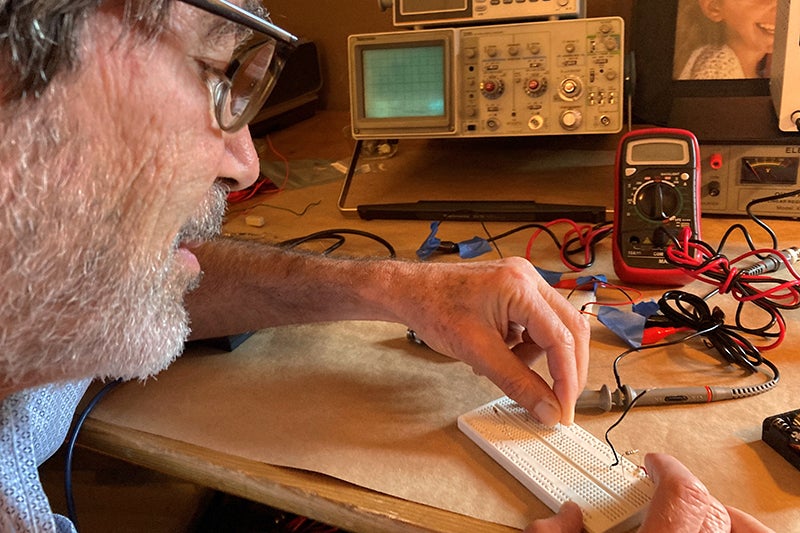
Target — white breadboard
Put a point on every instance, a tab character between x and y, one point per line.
562	463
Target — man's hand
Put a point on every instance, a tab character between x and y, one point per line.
499	317
680	503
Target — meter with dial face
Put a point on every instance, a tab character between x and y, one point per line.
769	170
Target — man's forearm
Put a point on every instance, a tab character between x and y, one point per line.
249	286
474	311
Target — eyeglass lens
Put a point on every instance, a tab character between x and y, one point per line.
252	77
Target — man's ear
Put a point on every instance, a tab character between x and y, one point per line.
711	9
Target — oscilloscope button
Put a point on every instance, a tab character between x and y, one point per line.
535	122
610	43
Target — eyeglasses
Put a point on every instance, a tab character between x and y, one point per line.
241	89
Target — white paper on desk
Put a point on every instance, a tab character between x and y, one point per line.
352	400
356	401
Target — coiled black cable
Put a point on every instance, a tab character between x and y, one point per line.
691	311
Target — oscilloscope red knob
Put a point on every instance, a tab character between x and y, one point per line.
492	88
535	87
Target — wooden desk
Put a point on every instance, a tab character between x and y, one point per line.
175	423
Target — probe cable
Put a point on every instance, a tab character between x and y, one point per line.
692	312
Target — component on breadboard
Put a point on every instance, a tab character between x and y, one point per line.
562	463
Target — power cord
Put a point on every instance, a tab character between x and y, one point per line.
70	451
337	235
581	239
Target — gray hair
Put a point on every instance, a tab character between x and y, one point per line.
40	38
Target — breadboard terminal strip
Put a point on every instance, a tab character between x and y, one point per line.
562	463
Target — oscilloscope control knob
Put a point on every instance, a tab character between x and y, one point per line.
570	119
535	87
610	43
570	89
492	88
657	201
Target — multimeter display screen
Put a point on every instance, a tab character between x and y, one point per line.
658	152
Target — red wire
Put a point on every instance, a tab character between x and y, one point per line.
584	233
699	261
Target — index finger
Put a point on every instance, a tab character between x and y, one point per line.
563	333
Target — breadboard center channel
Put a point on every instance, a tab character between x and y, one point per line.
560	464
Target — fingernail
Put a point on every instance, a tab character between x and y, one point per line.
547	413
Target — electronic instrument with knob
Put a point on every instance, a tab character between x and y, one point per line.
536	78
419	13
735	175
657	194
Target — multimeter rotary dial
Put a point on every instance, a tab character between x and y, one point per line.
657	200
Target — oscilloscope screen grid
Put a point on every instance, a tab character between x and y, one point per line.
404	81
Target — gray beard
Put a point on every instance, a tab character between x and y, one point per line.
77	302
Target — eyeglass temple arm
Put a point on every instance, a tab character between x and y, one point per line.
241	16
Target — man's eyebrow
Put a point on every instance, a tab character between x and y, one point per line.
219	30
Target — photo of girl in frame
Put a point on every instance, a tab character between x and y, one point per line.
724	39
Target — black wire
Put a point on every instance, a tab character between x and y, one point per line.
742	282
582	248
618	422
745	234
72	439
567	247
336	234
688	310
752	203
620	357
523	227
491	239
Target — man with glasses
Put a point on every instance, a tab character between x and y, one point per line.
123	129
